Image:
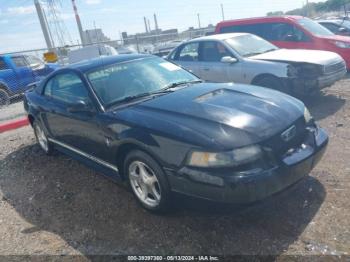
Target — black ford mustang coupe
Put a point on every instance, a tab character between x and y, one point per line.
159	128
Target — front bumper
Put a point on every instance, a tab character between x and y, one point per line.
240	187
328	80
307	86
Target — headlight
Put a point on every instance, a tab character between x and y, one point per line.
307	115
224	159
342	44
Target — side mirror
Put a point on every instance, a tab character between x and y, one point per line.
342	30
80	107
228	60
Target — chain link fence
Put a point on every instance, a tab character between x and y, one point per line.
18	70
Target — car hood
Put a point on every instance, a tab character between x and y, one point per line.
300	56
228	115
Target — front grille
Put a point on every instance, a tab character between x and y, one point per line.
279	147
334	68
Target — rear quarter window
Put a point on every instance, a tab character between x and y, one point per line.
3	65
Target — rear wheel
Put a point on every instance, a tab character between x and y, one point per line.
42	139
147	181
273	83
4	98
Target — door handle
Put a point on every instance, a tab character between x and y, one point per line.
206	69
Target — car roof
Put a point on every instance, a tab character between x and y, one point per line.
260	19
217	37
96	63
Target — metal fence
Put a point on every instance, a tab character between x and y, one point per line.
31	69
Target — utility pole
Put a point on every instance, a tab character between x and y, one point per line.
307	8
43	24
80	28
146	26
199	21
222	12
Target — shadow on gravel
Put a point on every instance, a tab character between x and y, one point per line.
94	216
322	105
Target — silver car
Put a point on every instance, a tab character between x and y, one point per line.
249	59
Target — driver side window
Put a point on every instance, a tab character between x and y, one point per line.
212	51
285	32
67	88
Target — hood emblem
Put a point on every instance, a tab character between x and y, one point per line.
289	134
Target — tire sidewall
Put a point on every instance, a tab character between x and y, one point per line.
159	173
273	83
49	146
4	93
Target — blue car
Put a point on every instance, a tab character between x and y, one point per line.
160	129
17	72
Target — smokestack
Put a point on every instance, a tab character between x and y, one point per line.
149	26
155	22
144	19
77	18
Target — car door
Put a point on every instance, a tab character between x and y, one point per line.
187	57
212	68
80	130
285	35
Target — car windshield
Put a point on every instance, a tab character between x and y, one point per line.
136	79
314	28
249	45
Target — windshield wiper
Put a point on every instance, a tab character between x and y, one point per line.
176	84
129	99
160	91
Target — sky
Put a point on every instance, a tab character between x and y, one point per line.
20	28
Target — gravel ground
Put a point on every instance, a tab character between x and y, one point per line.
55	205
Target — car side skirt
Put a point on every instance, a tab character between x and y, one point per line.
92	161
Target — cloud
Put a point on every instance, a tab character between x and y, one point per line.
92	2
4	21
21	10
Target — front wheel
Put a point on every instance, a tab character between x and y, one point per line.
147	181
42	139
273	83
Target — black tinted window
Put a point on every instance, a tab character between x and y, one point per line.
2	65
67	88
256	29
213	51
19	61
284	32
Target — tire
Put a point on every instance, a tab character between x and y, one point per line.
4	98
273	83
147	181
42	139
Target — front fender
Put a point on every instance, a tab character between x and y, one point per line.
255	68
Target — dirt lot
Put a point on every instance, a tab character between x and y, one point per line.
55	205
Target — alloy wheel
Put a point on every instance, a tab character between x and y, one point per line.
42	139
144	183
